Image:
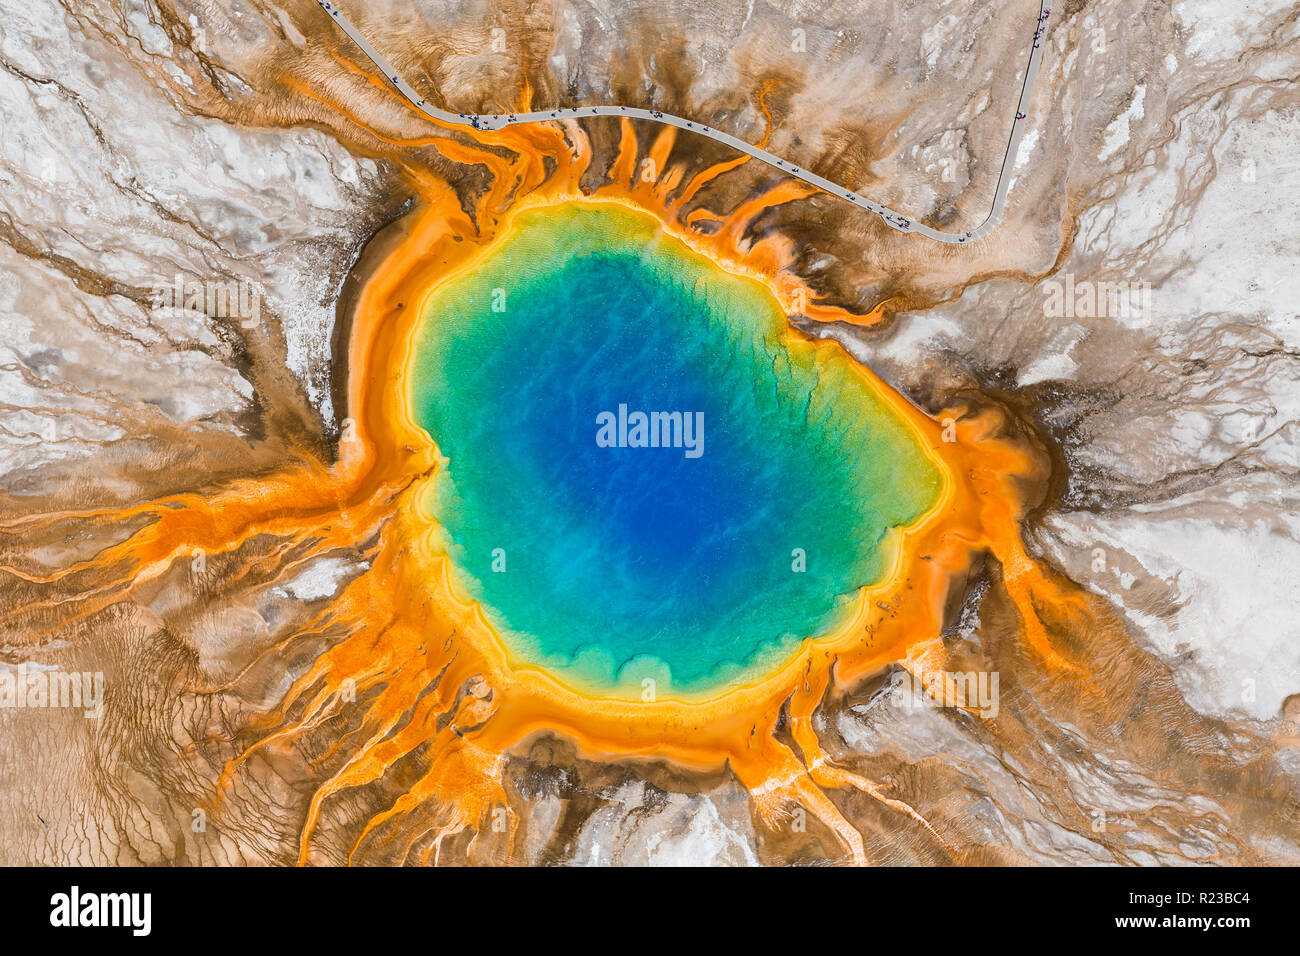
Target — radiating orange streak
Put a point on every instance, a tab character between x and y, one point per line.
700	215
766	88
743	216
651	181
368	77
539	141
525	102
624	166
703	178
669	181
661	149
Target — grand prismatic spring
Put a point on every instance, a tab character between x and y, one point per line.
673	558
590	490
672	603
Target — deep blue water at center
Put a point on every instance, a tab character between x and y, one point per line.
607	565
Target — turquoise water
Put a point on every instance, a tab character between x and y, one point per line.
606	565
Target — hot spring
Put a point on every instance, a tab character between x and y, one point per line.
646	473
